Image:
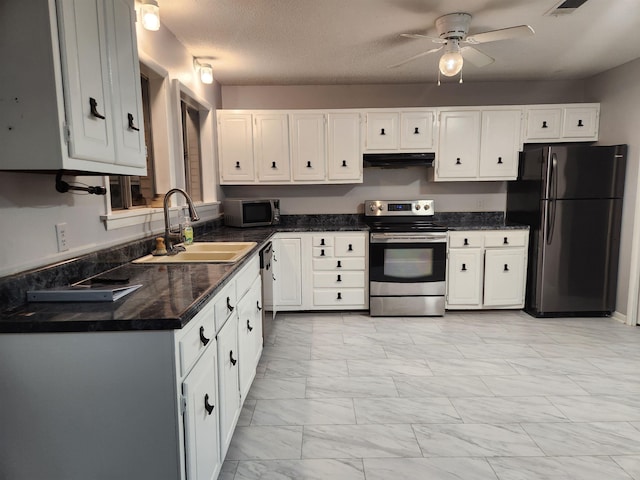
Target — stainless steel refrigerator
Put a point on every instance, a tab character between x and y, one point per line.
571	197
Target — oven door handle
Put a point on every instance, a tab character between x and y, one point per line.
408	238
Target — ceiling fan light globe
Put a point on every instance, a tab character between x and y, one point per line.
451	64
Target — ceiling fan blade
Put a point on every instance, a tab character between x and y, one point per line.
423	37
415	57
502	34
475	56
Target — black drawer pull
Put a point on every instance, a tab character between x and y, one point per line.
322	252
339	265
273	165
464	267
544	124
93	104
339	297
233	360
229	306
258	305
207	406
499	159
309	164
339	279
203	339
344	163
580	124
382	131
506	267
506	241
466	242
458	162
237	164
416	131
350	249
322	244
249	327
131	124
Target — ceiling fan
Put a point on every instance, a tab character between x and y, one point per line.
457	46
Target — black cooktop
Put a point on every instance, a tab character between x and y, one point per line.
404	224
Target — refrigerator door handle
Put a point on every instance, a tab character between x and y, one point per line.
550	205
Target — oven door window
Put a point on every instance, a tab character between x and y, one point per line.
407	263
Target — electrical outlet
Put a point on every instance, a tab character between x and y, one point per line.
61	234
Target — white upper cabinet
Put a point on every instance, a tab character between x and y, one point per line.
393	131
308	146
459	145
562	123
344	154
500	144
236	151
271	147
78	87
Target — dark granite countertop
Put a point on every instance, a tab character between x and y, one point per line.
172	294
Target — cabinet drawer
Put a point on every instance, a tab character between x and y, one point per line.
466	239
337	297
504	238
321	252
323	240
339	264
338	279
246	277
193	341
350	246
224	303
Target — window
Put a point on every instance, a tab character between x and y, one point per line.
191	148
135	191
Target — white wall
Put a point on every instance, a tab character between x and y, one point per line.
392	184
618	92
30	207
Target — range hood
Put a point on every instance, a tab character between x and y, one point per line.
398	160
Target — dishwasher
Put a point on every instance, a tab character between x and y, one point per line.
266	273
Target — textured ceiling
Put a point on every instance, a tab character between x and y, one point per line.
280	42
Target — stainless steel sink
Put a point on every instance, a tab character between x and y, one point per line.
204	252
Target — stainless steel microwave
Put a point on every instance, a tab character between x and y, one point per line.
251	212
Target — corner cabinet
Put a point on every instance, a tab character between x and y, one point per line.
78	87
487	269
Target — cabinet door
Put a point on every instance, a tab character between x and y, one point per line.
459	148
382	131
580	122
249	336
504	277
235	146
287	268
271	147
228	382
500	143
85	70
308	146
543	124
416	130
464	279
201	419
344	150
127	95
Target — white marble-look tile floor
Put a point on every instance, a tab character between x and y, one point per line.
491	395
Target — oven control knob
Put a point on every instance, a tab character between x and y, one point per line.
426	207
372	207
418	206
380	207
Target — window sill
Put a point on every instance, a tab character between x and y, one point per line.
140	216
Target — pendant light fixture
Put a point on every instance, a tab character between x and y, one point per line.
150	15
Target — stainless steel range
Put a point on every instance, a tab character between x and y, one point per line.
407	258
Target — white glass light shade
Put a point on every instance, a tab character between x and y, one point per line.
451	64
206	73
150	14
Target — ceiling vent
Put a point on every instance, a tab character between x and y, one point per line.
566	7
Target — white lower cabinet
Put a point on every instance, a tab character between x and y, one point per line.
249	336
228	381
487	269
321	271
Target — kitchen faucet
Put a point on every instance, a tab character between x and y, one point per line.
171	236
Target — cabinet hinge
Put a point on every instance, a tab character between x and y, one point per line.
66	132
183	404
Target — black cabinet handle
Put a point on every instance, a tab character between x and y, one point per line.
466	241
464	267
249	327
339	297
544	124
500	160
382	131
273	165
309	164
506	267
229	307
506	241
203	339
339	265
458	162
233	360
258	305
416	131
322	252
344	163
237	164
322	242
350	249
131	124
339	278
207	406
580	124
94	108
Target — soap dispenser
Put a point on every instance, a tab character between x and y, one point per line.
187	231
